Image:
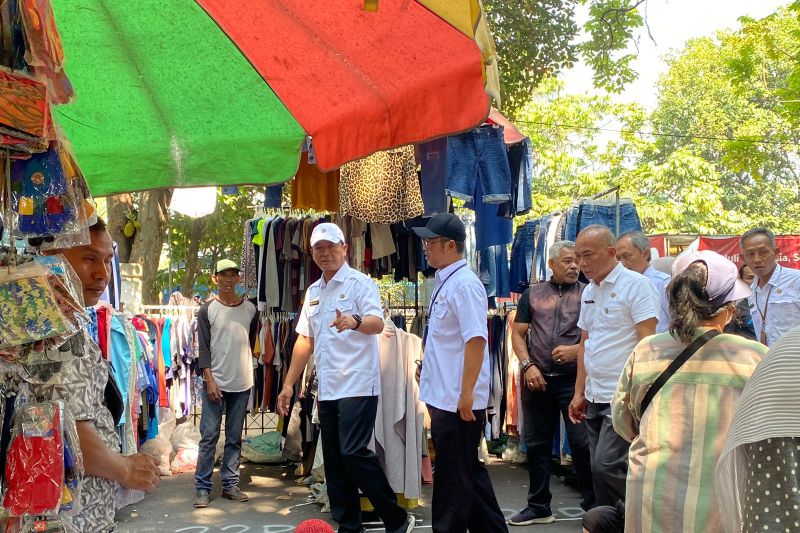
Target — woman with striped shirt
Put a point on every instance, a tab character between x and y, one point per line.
677	439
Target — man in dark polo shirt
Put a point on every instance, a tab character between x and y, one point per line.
546	340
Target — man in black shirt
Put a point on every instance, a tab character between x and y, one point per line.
546	340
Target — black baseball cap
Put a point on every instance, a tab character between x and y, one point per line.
445	225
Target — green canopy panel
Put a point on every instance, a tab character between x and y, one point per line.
165	99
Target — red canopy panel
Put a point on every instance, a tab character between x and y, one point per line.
359	81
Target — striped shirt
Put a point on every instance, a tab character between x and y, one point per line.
675	445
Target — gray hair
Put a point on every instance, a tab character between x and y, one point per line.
638	239
556	247
749	234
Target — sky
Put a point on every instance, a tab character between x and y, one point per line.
672	23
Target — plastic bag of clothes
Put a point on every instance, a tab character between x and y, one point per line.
185	437
161	449
265	448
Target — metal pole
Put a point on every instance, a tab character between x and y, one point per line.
169	253
616	235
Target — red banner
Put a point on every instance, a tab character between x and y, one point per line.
789	246
659	242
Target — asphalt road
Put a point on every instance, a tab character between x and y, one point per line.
277	504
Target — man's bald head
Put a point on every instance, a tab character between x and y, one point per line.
595	252
598	234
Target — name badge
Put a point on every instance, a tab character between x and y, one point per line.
313	302
588	301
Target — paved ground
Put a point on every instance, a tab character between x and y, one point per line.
277	504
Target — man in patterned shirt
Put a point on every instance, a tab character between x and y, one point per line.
81	385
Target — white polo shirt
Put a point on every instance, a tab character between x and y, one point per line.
660	280
348	365
778	301
609	313
457	315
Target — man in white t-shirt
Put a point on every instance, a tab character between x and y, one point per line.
633	251
454	384
339	323
226	329
619	307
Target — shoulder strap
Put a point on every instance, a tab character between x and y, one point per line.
675	365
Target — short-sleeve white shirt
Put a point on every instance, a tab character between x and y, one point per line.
457	315
348	364
609	313
779	301
660	280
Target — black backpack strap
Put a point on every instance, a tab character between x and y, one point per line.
675	365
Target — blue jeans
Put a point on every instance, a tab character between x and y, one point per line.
433	178
234	407
522	256
605	214
520	159
541	248
479	155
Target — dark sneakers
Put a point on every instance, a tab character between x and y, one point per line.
202	498
234	494
528	517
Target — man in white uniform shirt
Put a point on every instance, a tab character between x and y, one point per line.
454	384
633	251
775	302
619	307
340	319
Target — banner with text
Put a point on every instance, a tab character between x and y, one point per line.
789	246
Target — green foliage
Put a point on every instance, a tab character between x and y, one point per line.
537	39
733	101
219	236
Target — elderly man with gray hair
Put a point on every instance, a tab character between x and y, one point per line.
633	251
546	341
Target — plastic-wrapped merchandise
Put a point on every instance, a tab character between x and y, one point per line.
36	308
76	234
44	465
42	200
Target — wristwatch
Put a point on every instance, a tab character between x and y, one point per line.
526	365
358	321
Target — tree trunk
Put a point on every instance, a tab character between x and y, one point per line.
154	216
192	261
118	205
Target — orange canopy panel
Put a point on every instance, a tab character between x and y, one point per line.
360	81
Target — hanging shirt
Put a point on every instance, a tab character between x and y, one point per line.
457	315
776	306
347	363
609	313
660	280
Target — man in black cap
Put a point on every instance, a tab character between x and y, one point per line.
455	383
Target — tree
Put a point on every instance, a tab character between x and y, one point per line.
575	158
198	243
537	39
729	100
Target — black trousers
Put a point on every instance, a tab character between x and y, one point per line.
463	497
346	426
540	411
609	453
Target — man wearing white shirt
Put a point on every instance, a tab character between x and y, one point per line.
775	302
340	319
618	309
454	384
633	251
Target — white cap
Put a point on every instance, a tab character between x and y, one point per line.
327	232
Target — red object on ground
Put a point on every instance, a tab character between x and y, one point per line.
314	525
357	80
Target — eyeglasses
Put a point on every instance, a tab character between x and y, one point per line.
427	242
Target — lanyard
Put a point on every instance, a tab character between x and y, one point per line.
433	300
763	335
